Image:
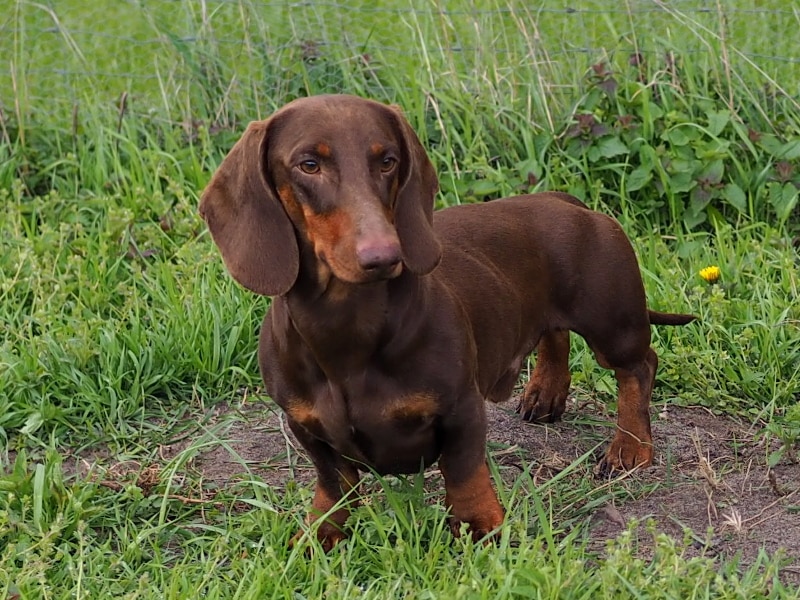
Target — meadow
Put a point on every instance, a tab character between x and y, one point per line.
128	378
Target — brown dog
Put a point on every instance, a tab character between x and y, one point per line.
392	325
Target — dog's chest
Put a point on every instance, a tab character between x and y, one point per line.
391	433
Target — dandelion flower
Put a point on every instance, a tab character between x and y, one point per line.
711	274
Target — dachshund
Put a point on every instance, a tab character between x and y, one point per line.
391	324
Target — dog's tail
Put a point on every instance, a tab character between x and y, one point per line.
662	318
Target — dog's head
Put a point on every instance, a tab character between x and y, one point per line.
340	176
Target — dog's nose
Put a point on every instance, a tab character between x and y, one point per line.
381	255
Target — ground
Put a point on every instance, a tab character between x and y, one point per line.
710	472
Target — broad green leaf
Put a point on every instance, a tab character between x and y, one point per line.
713	171
717	120
647	156
688	247
789	151
783	199
530	165
676	137
681	182
699	199
771	144
692	220
712	149
735	196
612	146
484	187
682	165
639	178
32	423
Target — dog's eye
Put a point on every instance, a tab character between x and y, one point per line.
309	167
388	164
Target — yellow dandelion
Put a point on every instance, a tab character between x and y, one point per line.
711	274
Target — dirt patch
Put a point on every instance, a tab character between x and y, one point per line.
709	472
713	474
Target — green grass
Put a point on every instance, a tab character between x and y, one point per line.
119	325
86	540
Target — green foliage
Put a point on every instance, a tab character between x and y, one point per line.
651	128
746	346
674	571
786	429
38	507
665	129
119	324
111	305
82	537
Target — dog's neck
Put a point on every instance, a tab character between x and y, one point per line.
342	324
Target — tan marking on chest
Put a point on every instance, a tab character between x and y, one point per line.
303	413
416	406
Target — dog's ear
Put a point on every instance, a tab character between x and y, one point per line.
414	203
247	220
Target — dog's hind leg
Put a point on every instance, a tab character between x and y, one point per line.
632	445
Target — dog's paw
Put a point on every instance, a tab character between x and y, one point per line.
625	454
475	504
484	527
327	534
538	406
544	398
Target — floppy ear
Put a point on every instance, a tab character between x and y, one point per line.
247	221
414	204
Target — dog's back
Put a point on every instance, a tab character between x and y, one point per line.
542	262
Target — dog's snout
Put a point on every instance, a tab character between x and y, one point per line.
380	254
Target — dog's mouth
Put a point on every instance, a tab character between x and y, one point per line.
385	272
357	274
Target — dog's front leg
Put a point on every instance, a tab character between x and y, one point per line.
545	395
470	496
336	477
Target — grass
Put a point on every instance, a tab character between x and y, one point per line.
94	542
119	328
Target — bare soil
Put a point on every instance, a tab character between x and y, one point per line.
710	472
